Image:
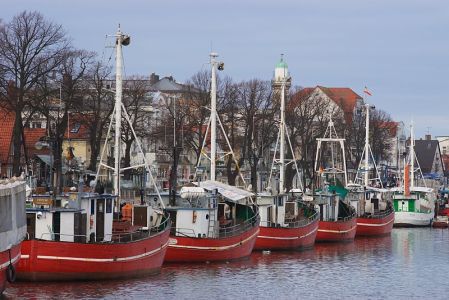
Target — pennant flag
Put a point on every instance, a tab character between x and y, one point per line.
366	91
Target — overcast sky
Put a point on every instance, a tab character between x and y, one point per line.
398	48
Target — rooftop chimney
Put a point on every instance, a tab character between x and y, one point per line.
428	137
154	78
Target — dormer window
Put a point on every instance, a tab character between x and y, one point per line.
75	128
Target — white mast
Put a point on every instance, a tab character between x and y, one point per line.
282	140
412	156
367	106
213	116
118	109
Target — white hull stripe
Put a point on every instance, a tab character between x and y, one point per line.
216	248
337	231
118	259
286	238
6	264
374	224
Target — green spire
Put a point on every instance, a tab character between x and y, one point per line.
282	64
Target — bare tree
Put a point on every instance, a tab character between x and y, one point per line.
98	107
66	91
135	98
30	48
307	116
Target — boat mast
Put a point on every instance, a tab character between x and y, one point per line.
412	156
282	138
367	106
213	116
118	109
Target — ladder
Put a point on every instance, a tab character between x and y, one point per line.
212	231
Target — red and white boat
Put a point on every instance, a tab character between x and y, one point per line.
375	215
337	218
76	238
212	221
12	228
289	225
373	205
338	222
287	222
77	241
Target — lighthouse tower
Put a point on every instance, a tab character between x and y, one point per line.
281	77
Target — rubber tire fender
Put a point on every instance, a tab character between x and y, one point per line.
10	273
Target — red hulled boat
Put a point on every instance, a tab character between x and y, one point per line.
290	235
337	231
12	228
337	218
372	203
287	222
338	223
212	222
80	237
376	225
82	245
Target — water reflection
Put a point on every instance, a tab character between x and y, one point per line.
407	264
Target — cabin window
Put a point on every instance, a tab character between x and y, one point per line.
108	206
92	207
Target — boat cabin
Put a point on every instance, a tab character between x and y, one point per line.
277	211
12	212
209	210
82	219
419	200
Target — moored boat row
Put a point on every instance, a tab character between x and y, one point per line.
80	236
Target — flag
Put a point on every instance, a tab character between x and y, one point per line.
366	91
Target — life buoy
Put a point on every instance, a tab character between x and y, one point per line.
10	273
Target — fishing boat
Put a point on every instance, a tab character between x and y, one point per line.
212	221
12	228
287	222
372	202
75	236
337	217
414	205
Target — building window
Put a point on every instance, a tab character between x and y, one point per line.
75	128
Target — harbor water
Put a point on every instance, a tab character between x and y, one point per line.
410	264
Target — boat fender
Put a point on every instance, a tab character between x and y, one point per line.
10	273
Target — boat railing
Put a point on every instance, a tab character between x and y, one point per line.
237	229
114	237
380	215
297	223
140	233
186	232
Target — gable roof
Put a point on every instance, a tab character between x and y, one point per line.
344	97
425	154
168	84
7	119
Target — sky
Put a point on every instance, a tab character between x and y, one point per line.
399	49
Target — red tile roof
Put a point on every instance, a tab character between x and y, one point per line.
7	125
346	98
32	135
77	128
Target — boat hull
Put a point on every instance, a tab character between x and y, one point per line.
5	262
43	260
412	219
278	238
190	249
376	226
337	231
